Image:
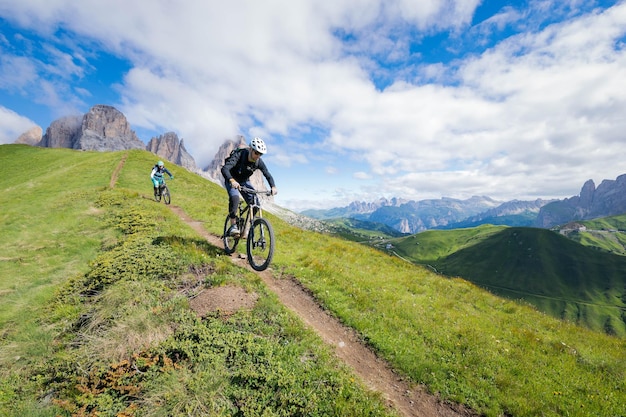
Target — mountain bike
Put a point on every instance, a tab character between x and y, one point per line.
255	229
163	191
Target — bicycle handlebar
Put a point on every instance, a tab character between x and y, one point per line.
253	191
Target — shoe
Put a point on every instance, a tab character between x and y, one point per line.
233	231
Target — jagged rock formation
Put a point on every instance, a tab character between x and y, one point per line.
169	147
609	199
61	132
103	128
31	137
214	167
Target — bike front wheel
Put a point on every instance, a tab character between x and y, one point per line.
166	194
230	242
260	244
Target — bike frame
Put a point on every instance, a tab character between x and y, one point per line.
246	211
259	234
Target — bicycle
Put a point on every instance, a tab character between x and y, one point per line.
259	235
164	192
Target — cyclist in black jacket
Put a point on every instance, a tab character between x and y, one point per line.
237	169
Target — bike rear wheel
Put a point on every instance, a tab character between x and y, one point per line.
165	192
260	244
230	242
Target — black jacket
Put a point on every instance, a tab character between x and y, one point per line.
238	167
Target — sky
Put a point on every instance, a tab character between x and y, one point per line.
356	100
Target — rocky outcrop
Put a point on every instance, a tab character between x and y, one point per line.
170	147
31	137
609	199
62	132
214	167
104	128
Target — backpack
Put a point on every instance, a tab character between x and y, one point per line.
234	152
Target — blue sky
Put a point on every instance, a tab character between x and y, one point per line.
356	100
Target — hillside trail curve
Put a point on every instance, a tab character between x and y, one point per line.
409	400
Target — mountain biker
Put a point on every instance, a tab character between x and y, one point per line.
157	176
237	170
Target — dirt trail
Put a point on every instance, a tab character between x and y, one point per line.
408	400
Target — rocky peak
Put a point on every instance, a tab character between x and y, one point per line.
169	147
104	128
586	193
31	137
61	132
214	167
609	199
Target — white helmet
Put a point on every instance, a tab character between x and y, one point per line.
258	145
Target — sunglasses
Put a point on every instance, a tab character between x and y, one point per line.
257	152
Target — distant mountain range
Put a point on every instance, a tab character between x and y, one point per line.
609	199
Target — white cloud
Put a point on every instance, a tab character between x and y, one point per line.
536	113
12	125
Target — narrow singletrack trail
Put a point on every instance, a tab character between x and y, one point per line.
408	399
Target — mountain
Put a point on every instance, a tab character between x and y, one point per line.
410	216
214	167
171	148
608	199
31	137
354	209
417	216
104	128
510	213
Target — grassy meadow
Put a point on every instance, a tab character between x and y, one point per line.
95	320
582	283
607	234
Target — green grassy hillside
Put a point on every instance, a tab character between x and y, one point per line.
557	275
361	231
607	234
95	289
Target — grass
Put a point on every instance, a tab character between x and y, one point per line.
557	275
607	234
109	329
114	334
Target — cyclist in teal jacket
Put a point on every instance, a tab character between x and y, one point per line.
157	176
